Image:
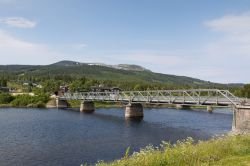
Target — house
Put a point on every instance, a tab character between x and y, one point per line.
32	84
105	89
62	89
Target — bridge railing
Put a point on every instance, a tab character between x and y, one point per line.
193	96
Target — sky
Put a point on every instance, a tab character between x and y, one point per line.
205	39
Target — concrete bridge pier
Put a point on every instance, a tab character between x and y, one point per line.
87	106
241	120
209	109
134	110
61	103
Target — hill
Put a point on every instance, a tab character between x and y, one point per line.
119	66
123	72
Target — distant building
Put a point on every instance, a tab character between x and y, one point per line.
64	89
105	89
61	91
20	93
32	84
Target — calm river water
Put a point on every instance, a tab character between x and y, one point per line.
52	137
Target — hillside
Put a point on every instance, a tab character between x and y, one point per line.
101	72
119	66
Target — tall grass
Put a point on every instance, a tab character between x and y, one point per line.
227	150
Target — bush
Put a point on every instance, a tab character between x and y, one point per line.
245	92
5	98
31	101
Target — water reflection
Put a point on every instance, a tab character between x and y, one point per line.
134	120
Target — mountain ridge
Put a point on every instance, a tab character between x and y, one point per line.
122	72
131	67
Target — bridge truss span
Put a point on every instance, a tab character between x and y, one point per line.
185	97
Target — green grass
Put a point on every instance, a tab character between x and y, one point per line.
228	151
108	104
98	104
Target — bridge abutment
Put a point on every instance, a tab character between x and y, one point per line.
241	120
209	109
52	103
180	106
134	110
87	106
61	103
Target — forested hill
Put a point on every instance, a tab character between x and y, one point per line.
97	71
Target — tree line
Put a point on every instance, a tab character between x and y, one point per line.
50	84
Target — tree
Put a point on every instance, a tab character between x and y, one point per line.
51	85
78	85
245	91
5	98
3	82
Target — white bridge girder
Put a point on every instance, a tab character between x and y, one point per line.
185	97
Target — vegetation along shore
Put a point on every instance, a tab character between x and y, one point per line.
230	150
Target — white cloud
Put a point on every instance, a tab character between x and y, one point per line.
230	53
224	60
18	22
16	51
236	42
233	24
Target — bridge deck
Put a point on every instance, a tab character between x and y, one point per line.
185	97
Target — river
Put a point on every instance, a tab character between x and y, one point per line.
46	137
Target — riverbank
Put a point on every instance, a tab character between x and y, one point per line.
100	104
6	106
38	105
226	150
23	101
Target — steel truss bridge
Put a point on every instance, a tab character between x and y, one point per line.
184	97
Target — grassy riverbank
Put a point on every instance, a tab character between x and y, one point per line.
98	104
228	151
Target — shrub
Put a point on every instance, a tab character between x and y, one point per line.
5	98
31	101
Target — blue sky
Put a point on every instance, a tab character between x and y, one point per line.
206	39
